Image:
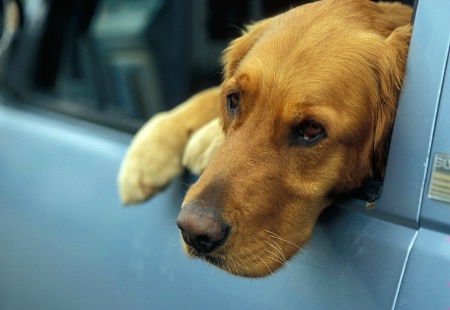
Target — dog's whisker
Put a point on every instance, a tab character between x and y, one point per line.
246	256
278	248
262	260
184	183
237	269
282	261
276	256
176	244
256	258
306	253
279	258
229	264
276	236
252	262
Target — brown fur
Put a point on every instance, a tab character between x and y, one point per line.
337	62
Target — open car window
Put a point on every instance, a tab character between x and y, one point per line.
119	62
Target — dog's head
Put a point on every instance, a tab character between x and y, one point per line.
308	101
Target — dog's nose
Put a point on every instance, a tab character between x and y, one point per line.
202	227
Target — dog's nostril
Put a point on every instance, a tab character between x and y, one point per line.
205	243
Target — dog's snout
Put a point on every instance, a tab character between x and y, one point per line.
202	227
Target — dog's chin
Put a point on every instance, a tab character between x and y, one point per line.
235	265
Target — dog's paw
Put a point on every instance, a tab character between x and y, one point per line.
202	147
152	161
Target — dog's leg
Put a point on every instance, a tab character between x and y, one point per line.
154	156
203	146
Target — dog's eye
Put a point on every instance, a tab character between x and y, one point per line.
233	101
307	133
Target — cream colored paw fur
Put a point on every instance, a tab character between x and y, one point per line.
203	146
152	161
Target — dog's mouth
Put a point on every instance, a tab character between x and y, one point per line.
224	262
212	258
254	262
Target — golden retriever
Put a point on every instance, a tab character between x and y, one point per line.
303	115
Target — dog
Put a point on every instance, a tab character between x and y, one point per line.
303	115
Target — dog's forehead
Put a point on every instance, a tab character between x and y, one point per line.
307	52
310	74
308	44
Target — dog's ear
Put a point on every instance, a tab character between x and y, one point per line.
390	70
237	49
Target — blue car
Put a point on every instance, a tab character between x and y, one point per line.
78	78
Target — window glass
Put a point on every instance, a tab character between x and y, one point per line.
118	62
